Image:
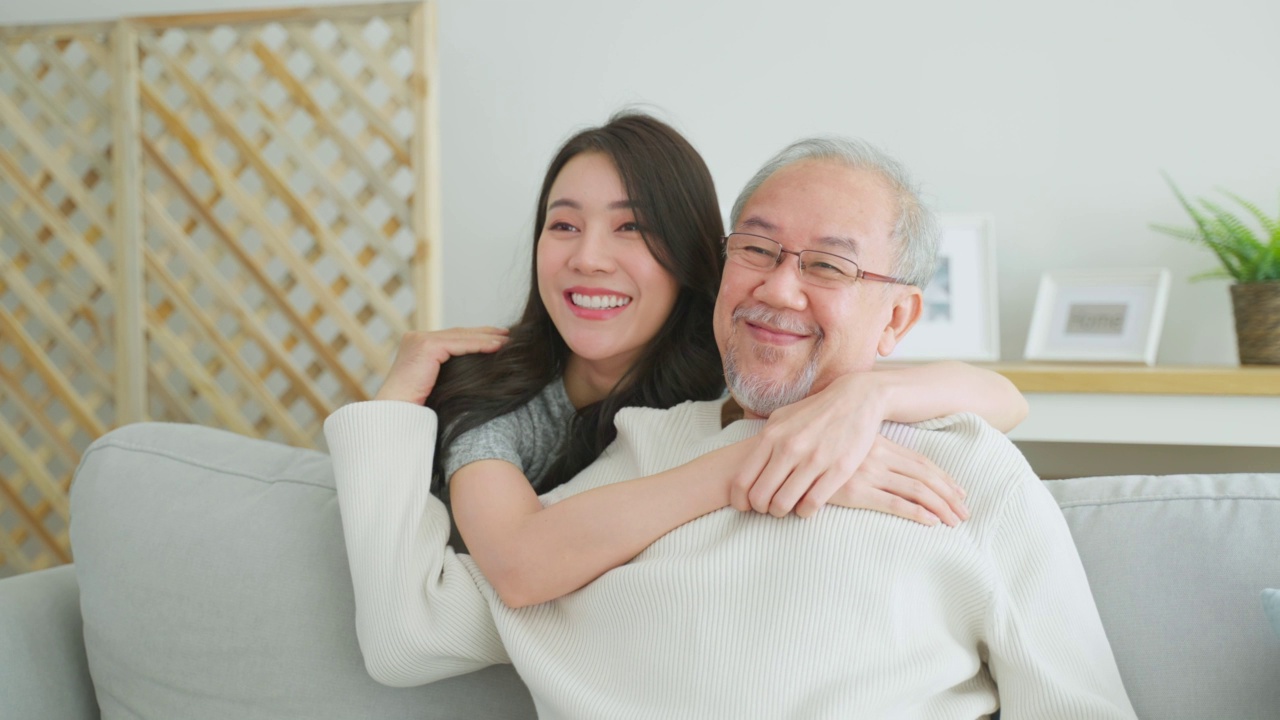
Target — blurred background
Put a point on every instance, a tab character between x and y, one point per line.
1056	119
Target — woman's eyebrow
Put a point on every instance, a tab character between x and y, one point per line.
566	202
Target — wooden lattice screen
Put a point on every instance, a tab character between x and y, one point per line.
222	219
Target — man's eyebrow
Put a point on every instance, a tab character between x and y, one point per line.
829	242
840	242
756	222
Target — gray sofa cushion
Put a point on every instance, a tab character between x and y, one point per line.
1177	565
43	671
214	584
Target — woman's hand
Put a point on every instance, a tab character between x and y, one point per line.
902	482
812	449
418	360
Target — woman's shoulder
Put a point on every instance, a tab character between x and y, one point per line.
526	437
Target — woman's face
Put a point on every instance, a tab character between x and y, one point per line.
606	293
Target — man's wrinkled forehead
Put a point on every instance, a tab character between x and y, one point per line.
844	244
837	200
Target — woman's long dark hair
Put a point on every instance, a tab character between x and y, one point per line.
675	204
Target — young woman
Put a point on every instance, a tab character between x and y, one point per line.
626	267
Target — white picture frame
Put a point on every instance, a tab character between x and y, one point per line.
960	319
1099	315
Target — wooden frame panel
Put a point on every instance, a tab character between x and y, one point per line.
226	219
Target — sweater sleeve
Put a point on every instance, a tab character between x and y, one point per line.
421	613
1048	652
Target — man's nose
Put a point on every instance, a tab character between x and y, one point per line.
593	253
782	287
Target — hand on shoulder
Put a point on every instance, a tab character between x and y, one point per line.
828	448
417	365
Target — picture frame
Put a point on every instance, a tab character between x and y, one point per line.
1099	315
960	317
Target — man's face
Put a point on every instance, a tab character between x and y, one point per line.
782	338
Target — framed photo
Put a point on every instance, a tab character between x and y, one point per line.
960	318
1099	315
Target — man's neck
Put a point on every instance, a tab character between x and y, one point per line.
731	412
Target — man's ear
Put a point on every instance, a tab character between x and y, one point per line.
905	312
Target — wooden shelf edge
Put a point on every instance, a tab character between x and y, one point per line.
1141	380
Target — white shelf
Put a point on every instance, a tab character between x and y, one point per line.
1149	406
1202	420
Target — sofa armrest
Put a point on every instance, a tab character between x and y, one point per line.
43	670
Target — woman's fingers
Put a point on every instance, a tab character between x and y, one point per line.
873	498
471	343
822	492
444	344
914	490
417	363
893	480
905	463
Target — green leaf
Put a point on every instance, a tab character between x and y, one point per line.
1239	240
1215	274
1268	265
1180	233
1228	255
1272	226
1235	230
1237	246
1267	269
1195	215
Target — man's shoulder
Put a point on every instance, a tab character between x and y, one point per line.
983	460
960	432
649	441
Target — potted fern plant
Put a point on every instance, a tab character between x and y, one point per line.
1251	259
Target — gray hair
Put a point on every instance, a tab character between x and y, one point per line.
916	229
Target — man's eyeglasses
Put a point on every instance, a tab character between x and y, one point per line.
819	268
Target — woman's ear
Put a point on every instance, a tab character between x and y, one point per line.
905	312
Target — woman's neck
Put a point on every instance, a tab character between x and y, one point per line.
588	382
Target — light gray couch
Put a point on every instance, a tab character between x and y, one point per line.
211	582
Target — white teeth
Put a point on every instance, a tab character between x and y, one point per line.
599	302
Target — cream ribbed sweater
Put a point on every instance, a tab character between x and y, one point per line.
849	614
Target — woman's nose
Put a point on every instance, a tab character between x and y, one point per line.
593	253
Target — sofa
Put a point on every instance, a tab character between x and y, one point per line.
211	582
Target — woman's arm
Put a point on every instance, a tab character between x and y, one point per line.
532	554
924	392
527	553
811	448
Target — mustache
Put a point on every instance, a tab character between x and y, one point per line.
761	315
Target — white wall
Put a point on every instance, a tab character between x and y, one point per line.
1055	118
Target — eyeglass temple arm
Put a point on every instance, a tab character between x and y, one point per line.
864	275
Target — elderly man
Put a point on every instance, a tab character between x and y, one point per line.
848	613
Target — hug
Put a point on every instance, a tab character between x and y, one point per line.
813	538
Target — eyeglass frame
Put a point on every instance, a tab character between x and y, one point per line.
860	275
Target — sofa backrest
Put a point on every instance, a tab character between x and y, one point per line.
1177	565
214	584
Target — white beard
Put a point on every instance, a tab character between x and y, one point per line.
759	395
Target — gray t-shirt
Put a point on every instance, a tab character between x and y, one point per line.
526	437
